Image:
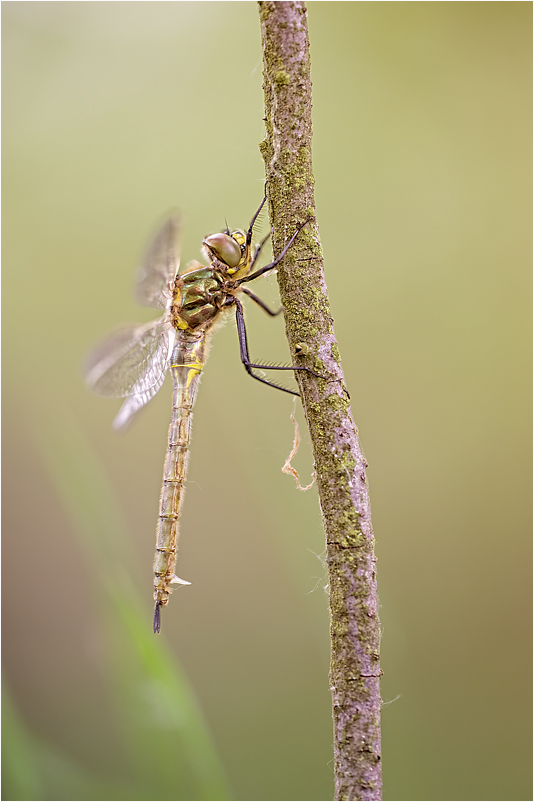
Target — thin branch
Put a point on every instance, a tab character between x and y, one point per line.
339	462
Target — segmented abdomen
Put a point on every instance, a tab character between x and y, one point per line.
187	361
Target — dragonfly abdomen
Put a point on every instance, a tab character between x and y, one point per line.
187	362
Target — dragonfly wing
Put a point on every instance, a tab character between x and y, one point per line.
131	361
159	267
141	395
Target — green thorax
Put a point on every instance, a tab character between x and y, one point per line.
198	298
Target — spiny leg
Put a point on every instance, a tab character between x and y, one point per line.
248	365
262	304
258	251
278	259
252	222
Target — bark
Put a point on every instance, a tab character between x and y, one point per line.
339	462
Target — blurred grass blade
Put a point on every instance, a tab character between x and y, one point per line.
32	768
170	751
20	778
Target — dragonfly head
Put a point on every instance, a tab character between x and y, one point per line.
229	248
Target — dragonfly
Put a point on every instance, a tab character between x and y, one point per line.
133	362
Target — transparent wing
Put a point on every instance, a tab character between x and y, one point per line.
159	267
131	360
141	395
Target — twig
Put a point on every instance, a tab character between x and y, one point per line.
339	462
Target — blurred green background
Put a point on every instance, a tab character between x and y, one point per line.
115	113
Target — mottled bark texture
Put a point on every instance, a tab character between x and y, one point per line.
339	462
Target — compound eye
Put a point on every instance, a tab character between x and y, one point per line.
225	248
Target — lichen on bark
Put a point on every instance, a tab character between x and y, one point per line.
340	465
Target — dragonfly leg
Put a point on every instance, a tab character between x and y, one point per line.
258	251
252	222
243	348
278	259
261	303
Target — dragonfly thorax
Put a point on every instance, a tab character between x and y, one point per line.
198	298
